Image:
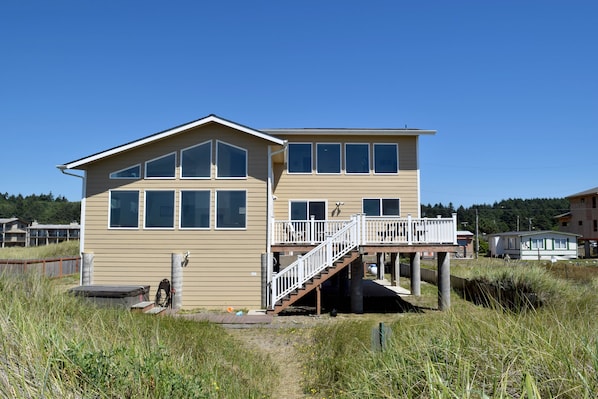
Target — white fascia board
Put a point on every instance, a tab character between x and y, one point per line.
350	132
171	132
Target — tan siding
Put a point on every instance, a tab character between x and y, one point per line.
224	267
351	189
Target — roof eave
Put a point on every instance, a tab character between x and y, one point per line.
170	132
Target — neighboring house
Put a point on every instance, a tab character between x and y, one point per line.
582	218
465	242
44	234
13	232
226	201
533	245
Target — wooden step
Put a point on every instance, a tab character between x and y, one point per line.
143	307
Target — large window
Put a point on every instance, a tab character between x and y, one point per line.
159	209
163	167
231	161
195	209
196	161
560	243
132	172
328	158
357	158
386	158
231	209
381	206
299	158
124	209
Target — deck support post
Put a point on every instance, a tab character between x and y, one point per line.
87	268
380	262
176	278
357	286
395	270
319	299
444	281
414	265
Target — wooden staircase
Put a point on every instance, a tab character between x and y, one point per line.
316	281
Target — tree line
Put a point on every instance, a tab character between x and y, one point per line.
506	215
43	208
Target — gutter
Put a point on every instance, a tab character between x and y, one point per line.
63	169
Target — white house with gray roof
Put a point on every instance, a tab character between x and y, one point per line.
534	245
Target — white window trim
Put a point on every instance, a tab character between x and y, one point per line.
340	159
122	170
246	162
181	211
381	208
145	209
374	160
311	148
110	209
369	172
325	201
216	210
197	177
160	157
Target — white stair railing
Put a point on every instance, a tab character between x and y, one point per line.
315	261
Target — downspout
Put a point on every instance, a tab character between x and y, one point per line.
83	177
270	212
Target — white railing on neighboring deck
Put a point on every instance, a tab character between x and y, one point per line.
315	261
373	230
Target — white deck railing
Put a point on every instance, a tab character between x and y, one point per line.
334	239
373	230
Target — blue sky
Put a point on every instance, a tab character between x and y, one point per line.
510	86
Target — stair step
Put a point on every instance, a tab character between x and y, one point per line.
143	306
156	310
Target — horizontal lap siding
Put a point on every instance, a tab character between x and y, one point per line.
224	266
351	189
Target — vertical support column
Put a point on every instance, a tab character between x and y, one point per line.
87	268
380	262
395	261
414	264
177	280
357	286
444	281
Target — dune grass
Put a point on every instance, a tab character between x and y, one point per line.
62	250
55	345
469	351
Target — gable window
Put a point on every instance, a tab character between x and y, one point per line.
159	209
537	243
386	158
196	161
328	158
132	172
195	209
124	209
357	158
560	243
231	209
381	206
231	161
299	158
162	167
